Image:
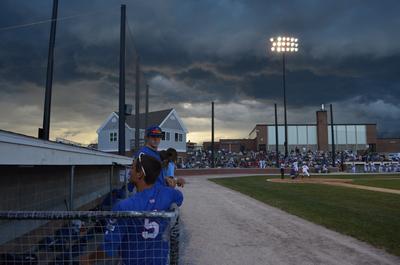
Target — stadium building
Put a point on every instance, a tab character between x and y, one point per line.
348	136
357	137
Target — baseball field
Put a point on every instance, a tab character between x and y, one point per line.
366	207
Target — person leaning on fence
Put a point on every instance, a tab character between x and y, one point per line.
153	135
138	240
169	158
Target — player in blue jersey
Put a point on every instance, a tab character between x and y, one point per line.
153	137
140	240
169	158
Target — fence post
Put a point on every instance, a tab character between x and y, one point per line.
111	177
71	189
126	183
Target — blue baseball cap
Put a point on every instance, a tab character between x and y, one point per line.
154	131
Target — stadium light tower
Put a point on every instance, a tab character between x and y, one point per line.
284	45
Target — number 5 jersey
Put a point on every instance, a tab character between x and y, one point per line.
142	240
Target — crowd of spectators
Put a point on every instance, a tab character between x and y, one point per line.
317	160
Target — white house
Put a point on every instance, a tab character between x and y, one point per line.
173	127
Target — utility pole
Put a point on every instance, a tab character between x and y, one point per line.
121	119
333	139
137	102
284	105
146	124
212	136
44	132
276	137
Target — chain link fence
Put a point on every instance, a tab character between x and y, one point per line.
89	237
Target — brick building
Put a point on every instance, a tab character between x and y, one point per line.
388	145
233	145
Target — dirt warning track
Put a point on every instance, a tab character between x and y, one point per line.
221	226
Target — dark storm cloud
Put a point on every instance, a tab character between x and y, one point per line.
198	51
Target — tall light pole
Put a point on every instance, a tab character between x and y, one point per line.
284	45
44	132
276	137
333	139
121	102
212	136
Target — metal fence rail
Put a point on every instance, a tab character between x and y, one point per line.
89	237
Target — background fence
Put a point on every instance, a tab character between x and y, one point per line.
89	237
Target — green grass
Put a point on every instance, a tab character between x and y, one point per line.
373	217
381	183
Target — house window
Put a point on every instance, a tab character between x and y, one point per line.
113	136
180	137
167	136
176	137
163	136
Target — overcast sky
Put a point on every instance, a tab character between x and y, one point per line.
194	52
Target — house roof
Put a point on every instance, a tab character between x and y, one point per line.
154	118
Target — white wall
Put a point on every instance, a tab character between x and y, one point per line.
179	146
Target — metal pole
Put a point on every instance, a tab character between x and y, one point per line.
212	135
111	188
333	138
45	132
341	161
126	183
71	189
147	107
284	105
276	137
71	205
121	127
137	102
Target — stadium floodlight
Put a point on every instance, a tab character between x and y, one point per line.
284	45
284	42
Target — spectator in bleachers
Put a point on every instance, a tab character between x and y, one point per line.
245	159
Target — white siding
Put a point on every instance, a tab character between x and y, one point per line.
171	125
180	146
